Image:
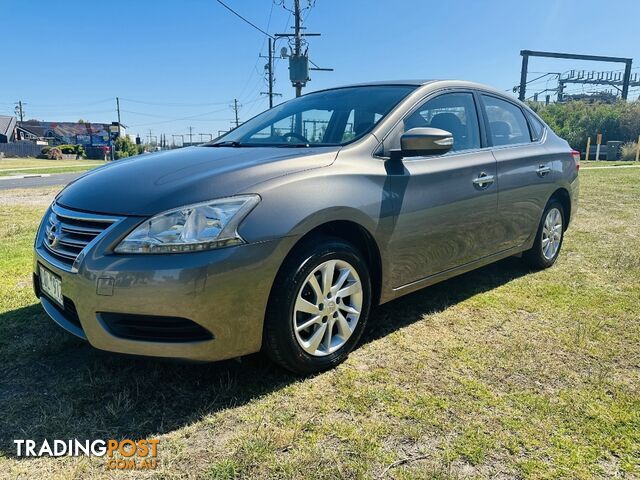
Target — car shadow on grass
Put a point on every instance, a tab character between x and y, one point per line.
54	386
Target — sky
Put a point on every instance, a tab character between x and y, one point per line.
180	64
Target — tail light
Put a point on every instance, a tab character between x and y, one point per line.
576	158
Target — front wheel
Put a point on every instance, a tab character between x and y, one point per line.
549	237
319	306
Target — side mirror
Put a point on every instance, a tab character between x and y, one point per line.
418	142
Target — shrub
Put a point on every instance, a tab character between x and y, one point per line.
67	149
46	149
77	150
80	152
54	154
124	148
629	150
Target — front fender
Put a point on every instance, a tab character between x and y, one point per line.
294	205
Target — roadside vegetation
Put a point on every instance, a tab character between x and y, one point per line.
630	151
499	373
576	120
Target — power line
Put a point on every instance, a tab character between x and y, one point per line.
166	116
254	70
194	118
71	105
173	104
243	18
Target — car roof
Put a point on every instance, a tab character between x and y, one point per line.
444	83
416	82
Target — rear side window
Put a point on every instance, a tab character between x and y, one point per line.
453	112
507	124
537	128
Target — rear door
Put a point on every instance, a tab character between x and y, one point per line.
525	170
447	203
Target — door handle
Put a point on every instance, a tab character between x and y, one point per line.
543	170
483	181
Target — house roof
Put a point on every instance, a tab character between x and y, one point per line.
33	129
7	124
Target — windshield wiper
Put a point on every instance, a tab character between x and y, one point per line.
293	145
226	143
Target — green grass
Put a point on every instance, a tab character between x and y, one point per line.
606	163
22	166
502	372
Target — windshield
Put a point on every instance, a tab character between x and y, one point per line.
331	117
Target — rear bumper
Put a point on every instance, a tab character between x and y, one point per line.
574	193
221	292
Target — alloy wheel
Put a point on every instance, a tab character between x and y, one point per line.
551	233
327	307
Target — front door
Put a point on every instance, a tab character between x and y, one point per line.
447	204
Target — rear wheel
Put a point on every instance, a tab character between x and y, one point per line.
549	237
319	306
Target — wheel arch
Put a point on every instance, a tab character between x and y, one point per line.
355	234
562	196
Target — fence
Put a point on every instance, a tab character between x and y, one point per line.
20	149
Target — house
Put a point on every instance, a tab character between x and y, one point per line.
31	134
7	129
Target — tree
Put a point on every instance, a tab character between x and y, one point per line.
124	147
577	120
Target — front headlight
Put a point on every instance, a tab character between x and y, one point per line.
191	228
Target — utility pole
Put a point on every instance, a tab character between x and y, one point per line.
560	95
298	41
270	75
270	72
150	136
118	110
20	110
236	107
190	136
298	60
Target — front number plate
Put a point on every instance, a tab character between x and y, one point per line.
51	284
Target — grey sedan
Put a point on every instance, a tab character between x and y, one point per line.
283	234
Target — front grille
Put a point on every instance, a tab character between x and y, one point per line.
68	232
154	328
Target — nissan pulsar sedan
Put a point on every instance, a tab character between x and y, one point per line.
284	233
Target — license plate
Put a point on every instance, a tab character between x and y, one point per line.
51	284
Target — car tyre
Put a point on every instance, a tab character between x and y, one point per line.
319	306
549	237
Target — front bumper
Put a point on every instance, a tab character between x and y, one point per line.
224	291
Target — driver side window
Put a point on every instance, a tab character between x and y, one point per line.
453	112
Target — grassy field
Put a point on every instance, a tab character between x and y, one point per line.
499	373
602	163
22	166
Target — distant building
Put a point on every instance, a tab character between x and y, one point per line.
71	133
7	129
